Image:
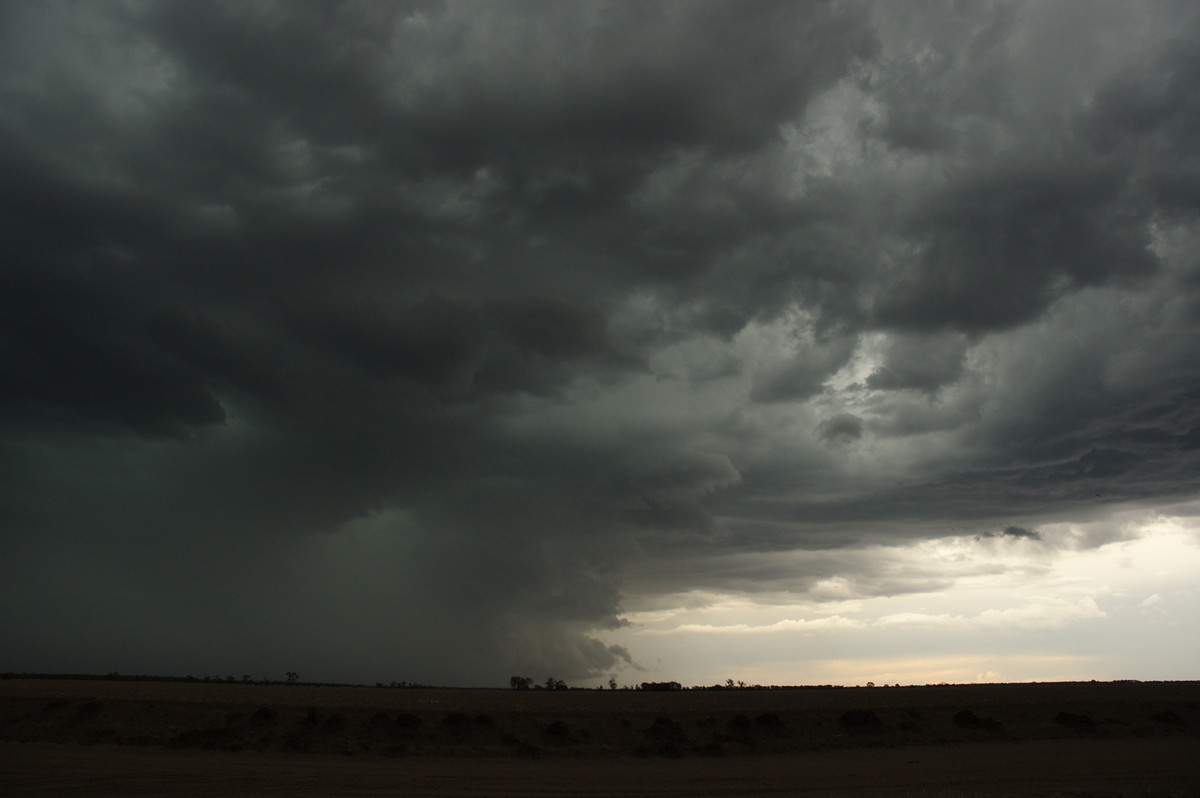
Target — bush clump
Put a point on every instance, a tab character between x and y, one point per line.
860	720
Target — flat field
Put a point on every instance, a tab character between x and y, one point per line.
87	738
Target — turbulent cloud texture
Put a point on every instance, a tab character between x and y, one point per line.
421	341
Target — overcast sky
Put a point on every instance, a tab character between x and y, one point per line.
440	342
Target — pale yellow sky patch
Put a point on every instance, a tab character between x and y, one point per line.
1004	595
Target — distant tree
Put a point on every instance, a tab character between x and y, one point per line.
661	687
612	682
246	678
521	682
292	677
729	684
555	684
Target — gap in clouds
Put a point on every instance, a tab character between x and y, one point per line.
1001	593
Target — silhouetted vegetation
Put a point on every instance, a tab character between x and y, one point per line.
515	682
1074	720
860	720
969	720
227	717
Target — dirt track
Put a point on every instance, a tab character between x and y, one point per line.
162	738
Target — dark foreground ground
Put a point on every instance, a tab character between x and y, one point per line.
154	738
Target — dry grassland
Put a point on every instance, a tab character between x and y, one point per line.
154	738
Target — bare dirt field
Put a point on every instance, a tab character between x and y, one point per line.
90	738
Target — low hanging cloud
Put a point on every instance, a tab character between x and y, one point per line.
791	625
1017	532
1038	615
416	341
842	428
1034	616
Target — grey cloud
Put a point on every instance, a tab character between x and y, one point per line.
842	428
434	342
1018	532
1022	532
1030	232
786	577
718	368
921	416
921	362
465	349
944	71
80	353
806	374
1145	116
670	489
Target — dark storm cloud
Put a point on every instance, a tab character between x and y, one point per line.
1030	231
806	374
1018	532
922	362
349	338
842	428
1021	532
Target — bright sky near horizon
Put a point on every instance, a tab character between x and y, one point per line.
1004	613
822	342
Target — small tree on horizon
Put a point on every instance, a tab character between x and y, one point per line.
521	682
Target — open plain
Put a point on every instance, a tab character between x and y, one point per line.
62	737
